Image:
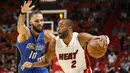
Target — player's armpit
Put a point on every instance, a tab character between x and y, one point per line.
22	37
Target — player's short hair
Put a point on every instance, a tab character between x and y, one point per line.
35	12
69	22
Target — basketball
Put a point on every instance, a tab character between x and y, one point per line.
95	50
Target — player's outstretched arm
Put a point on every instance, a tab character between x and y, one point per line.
46	59
21	28
86	37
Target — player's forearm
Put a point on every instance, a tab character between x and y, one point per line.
40	64
95	37
21	22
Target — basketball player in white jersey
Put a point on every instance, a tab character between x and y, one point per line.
69	49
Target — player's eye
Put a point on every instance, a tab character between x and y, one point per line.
41	20
36	21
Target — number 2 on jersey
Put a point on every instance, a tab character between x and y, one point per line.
73	64
33	55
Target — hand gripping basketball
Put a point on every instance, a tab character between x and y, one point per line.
97	47
103	41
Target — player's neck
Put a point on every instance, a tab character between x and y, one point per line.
36	34
68	39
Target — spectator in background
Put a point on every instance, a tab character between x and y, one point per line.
76	13
82	25
129	70
111	68
97	69
126	45
128	40
2	39
112	58
4	28
125	64
94	31
121	70
100	67
122	31
122	28
123	38
75	0
2	69
115	31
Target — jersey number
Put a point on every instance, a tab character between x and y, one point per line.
73	64
33	55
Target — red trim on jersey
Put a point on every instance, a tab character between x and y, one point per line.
88	63
88	70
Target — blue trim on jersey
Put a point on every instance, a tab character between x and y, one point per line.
34	70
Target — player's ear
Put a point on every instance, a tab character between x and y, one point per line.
30	22
70	27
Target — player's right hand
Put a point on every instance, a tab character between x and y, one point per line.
25	8
104	41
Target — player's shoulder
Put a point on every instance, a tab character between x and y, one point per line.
75	33
48	35
57	38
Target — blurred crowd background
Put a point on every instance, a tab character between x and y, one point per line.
110	17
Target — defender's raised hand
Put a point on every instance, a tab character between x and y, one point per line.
26	7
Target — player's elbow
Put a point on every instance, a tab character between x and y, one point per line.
48	62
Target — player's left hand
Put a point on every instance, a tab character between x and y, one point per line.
26	7
104	41
27	65
41	59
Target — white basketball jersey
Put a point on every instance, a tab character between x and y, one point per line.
71	58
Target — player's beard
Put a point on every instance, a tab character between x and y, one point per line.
63	35
36	29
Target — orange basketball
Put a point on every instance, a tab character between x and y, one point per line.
95	50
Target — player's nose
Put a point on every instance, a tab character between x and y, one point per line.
41	24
